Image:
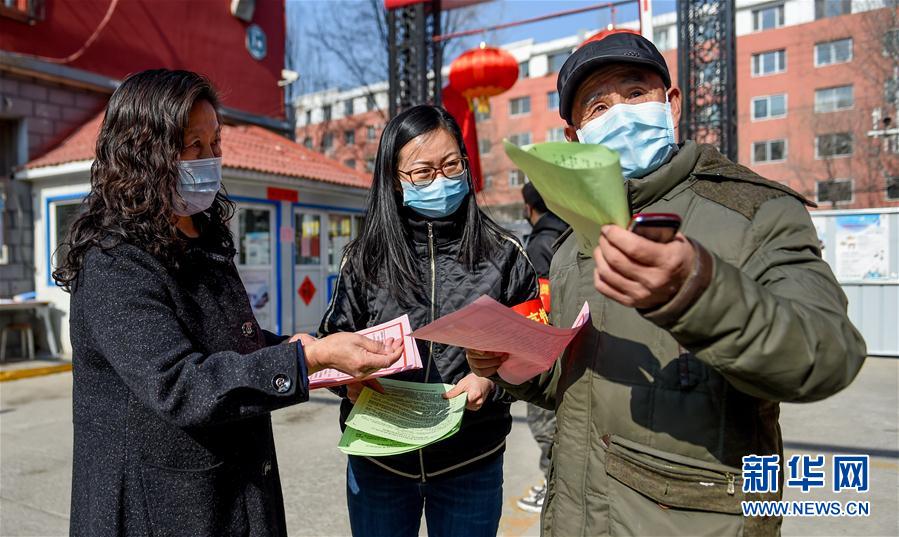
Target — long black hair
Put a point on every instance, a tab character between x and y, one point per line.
134	176
382	251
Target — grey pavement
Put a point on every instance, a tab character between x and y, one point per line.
36	444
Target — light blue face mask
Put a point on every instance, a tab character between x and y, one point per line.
198	183
439	199
642	134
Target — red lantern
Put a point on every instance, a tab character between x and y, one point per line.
481	73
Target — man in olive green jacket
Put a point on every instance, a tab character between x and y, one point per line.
692	343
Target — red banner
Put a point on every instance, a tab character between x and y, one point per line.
458	107
533	310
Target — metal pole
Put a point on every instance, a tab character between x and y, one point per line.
437	51
393	89
533	19
732	151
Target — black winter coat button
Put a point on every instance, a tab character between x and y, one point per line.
248	329
281	383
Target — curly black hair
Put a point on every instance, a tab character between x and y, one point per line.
134	176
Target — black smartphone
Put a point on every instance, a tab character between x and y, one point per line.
658	227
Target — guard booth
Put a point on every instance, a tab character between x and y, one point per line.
862	248
296	210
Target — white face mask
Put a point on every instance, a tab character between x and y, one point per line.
199	182
642	134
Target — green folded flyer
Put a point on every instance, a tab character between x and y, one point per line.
581	183
408	416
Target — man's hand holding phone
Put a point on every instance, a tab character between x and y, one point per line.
637	271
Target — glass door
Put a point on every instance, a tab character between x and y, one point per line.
255	242
308	265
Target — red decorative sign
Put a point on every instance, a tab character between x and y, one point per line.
282	194
306	290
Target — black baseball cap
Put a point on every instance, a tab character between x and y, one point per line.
621	46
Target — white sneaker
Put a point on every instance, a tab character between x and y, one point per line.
532	504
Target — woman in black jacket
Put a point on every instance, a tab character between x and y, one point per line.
426	249
173	377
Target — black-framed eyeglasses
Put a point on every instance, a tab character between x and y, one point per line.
424	176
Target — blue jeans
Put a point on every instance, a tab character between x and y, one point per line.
466	503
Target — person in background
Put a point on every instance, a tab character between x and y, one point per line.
174	379
546	228
692	343
426	250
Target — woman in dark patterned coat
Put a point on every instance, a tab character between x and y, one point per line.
174	379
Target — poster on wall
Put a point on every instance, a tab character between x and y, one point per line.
820	230
257	245
259	290
862	248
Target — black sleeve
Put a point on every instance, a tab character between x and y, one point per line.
541	254
344	313
273	339
521	282
122	295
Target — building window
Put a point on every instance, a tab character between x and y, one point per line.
307	239
831	52
661	36
834	191
370	164
524	69
350	163
328	140
552	100
326	112
833	99
519	139
370	103
308	117
891	91
484	146
557	60
348	107
349	137
891	43
64	214
837	144
555	135
520	106
517	178
769	106
768	17
832	8
307	142
769	63
22	10
481	116
893	188
892	143
254	236
769	151
370	133
488	180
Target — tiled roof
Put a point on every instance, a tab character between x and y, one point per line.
245	147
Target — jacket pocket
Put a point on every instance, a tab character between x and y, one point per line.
658	493
195	503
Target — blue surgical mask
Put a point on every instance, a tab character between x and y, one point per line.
198	184
642	134
439	199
